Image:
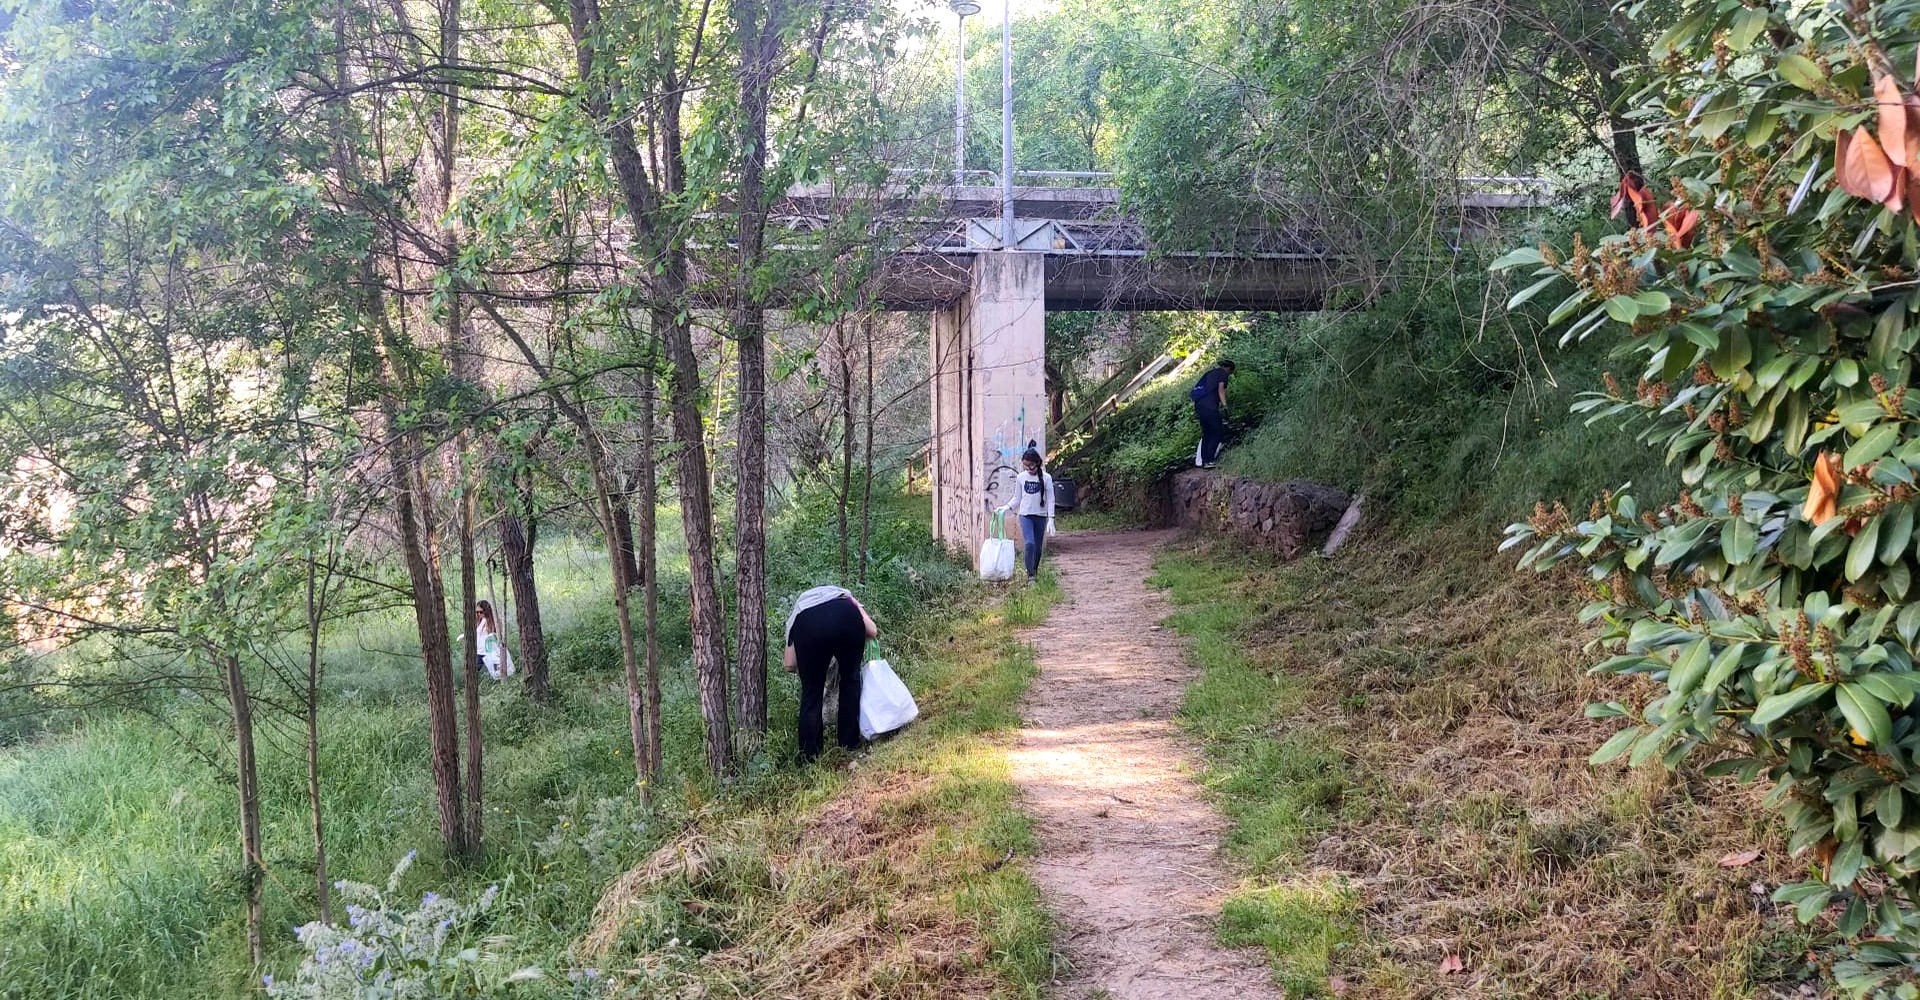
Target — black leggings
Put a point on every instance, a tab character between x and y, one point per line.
828	633
1213	432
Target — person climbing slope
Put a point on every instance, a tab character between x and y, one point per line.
1033	502
1209	397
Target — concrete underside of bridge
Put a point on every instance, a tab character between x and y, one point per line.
988	344
940	282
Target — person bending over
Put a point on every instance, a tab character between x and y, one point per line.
828	626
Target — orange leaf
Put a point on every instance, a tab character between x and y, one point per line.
1740	859
1643	211
1452	964
1862	167
1898	200
1632	193
1823	498
1894	140
1680	222
1620	195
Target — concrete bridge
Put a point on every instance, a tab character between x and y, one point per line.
989	277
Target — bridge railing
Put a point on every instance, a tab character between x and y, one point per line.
1490	184
1021	178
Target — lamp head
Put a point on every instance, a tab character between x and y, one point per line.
964	8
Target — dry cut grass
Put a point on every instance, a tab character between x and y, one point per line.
887	878
1398	737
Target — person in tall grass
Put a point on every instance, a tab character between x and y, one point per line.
828	628
487	644
1033	502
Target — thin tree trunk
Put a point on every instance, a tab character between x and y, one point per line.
607	498
470	649
696	520
758	25
649	208
322	888
516	549
241	705
460	352
866	497
650	550
623	534
430	620
846	440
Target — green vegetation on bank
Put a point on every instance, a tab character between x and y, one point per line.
1419	401
117	877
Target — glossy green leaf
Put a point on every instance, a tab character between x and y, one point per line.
1865	713
1774	707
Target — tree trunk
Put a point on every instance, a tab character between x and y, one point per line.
649	550
469	649
758	26
430	621
696	520
846	441
866	496
623	533
322	888
611	499
516	548
460	355
648	207
607	499
241	705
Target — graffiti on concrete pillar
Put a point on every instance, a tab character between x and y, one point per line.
1001	458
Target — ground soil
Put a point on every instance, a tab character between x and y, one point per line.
1129	858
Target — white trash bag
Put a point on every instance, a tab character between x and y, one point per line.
997	553
885	702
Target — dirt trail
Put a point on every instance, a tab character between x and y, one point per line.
1127	845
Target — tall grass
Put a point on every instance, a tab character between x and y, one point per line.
118	871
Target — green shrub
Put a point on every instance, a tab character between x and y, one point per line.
1772	609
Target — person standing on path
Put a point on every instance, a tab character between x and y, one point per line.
1209	397
1034	503
828	626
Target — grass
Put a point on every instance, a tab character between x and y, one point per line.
888	876
1396	738
118	876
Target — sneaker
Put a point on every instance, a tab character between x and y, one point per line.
1211	465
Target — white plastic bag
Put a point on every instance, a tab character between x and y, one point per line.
494	657
1198	462
997	553
885	702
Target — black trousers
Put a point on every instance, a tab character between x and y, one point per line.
828	635
1213	431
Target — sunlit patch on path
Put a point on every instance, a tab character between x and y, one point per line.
1128	858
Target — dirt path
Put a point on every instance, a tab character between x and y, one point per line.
1127	844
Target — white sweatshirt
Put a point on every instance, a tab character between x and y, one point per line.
1034	496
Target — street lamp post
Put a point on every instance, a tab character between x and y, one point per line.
964	9
1006	127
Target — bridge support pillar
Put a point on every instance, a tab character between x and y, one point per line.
989	391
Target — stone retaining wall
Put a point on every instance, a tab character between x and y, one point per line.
1286	518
